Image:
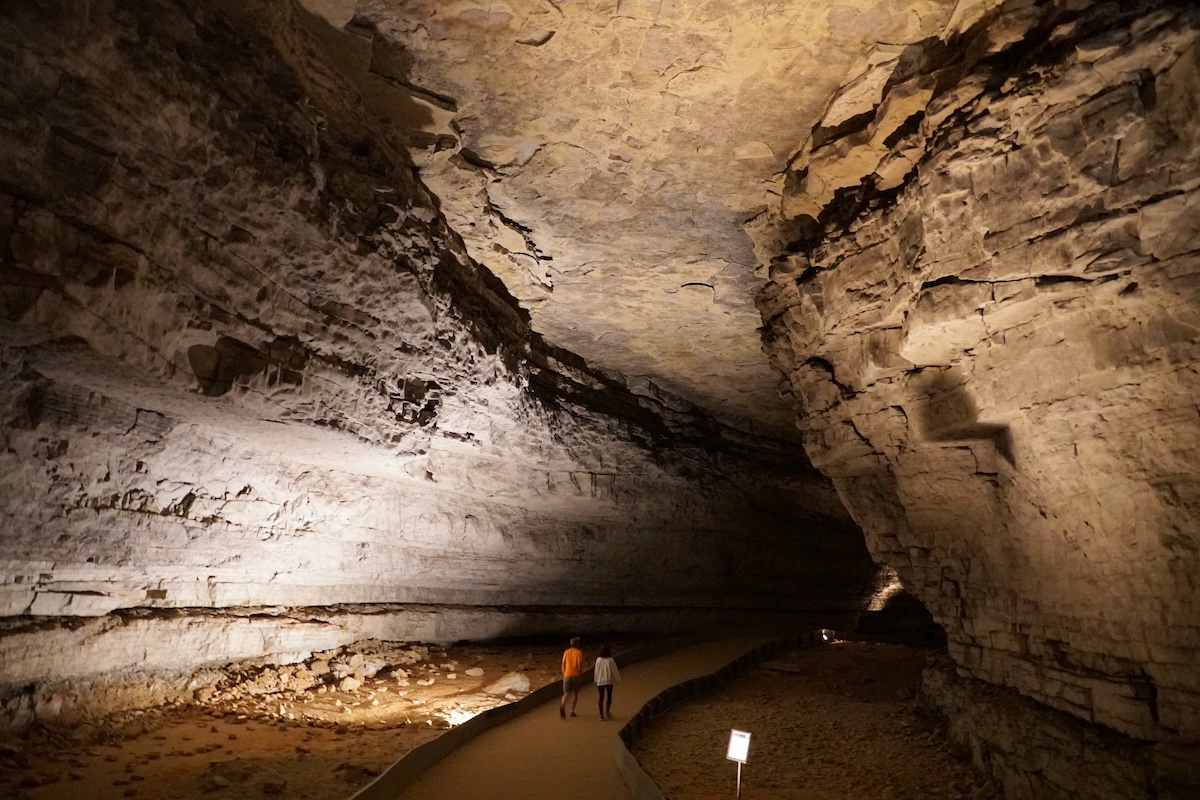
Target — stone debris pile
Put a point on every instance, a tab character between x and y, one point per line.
511	683
384	683
265	728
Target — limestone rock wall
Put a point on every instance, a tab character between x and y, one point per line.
599	157
246	365
1037	751
986	292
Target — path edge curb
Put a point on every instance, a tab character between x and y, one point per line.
640	784
410	766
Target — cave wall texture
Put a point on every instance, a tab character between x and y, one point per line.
258	401
985	288
257	398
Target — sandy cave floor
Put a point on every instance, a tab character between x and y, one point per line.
835	722
301	731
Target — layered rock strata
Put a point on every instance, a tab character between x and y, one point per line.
1037	751
984	290
248	368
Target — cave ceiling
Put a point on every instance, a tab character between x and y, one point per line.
602	157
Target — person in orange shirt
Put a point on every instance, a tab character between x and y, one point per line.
572	669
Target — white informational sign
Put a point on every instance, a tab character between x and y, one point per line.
739	746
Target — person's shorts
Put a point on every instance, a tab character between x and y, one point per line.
571	684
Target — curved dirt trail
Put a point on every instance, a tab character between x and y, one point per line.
540	756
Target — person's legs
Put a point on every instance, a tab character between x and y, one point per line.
608	705
568	686
574	700
605	690
600	700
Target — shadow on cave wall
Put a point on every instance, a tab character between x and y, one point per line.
947	413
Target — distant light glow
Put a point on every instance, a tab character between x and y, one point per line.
889	585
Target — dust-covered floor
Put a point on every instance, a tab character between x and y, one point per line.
835	722
317	730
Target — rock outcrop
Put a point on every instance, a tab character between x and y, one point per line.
249	374
984	290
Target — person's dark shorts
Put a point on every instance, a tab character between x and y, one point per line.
571	684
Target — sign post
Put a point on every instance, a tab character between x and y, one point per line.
739	749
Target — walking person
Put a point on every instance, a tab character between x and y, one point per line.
572	669
604	676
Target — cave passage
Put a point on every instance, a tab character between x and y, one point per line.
366	324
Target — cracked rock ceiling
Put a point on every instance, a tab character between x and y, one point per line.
601	156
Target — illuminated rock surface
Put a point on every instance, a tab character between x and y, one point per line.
430	320
995	355
258	401
604	154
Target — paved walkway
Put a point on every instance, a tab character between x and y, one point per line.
540	756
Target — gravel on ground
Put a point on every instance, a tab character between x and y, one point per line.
840	721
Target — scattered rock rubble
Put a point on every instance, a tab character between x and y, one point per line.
318	728
396	683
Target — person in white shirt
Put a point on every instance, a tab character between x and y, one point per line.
604	676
